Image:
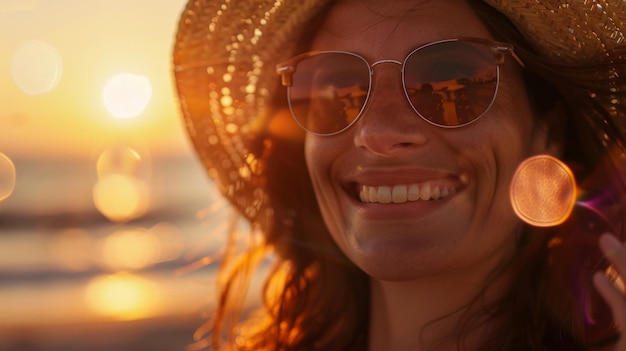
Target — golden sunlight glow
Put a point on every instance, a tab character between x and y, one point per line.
121	198
57	58
131	249
122	296
284	126
126	95
7	177
36	67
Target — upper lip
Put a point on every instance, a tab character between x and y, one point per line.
397	176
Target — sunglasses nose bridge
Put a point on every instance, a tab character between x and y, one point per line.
383	84
387	124
386	61
377	63
381	62
386	93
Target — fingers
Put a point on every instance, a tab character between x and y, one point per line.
615	252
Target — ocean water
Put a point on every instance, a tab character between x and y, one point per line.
73	278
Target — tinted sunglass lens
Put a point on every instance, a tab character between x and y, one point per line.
329	91
451	83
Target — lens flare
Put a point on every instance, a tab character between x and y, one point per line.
36	67
543	191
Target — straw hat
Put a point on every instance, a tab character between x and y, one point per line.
224	68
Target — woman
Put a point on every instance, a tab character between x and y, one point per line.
391	225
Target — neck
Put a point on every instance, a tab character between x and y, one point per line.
423	314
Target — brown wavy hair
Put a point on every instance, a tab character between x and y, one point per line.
315	298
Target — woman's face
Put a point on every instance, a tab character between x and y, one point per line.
473	227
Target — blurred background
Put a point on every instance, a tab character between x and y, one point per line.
108	224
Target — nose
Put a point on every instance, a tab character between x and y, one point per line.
389	126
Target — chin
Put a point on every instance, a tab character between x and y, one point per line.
400	260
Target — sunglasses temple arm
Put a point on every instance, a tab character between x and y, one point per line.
516	58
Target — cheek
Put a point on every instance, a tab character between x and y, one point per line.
319	159
313	156
322	155
510	128
497	144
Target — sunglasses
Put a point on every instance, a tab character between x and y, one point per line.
449	83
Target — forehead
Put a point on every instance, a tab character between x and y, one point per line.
392	28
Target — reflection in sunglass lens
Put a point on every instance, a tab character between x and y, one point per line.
451	83
329	91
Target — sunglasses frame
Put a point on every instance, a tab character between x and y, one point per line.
287	68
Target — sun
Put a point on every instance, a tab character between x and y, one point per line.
126	95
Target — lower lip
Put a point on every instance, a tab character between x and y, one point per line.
399	211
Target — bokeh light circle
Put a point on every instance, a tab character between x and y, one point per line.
121	198
122	190
131	249
124	160
543	191
7	177
36	67
123	296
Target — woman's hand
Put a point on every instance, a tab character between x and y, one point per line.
615	251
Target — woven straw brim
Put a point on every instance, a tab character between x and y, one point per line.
224	66
570	30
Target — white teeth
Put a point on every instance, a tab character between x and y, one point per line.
373	194
384	194
435	193
404	193
399	194
425	192
414	192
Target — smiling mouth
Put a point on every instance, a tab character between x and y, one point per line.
398	194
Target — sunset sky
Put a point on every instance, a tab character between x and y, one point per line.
57	57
